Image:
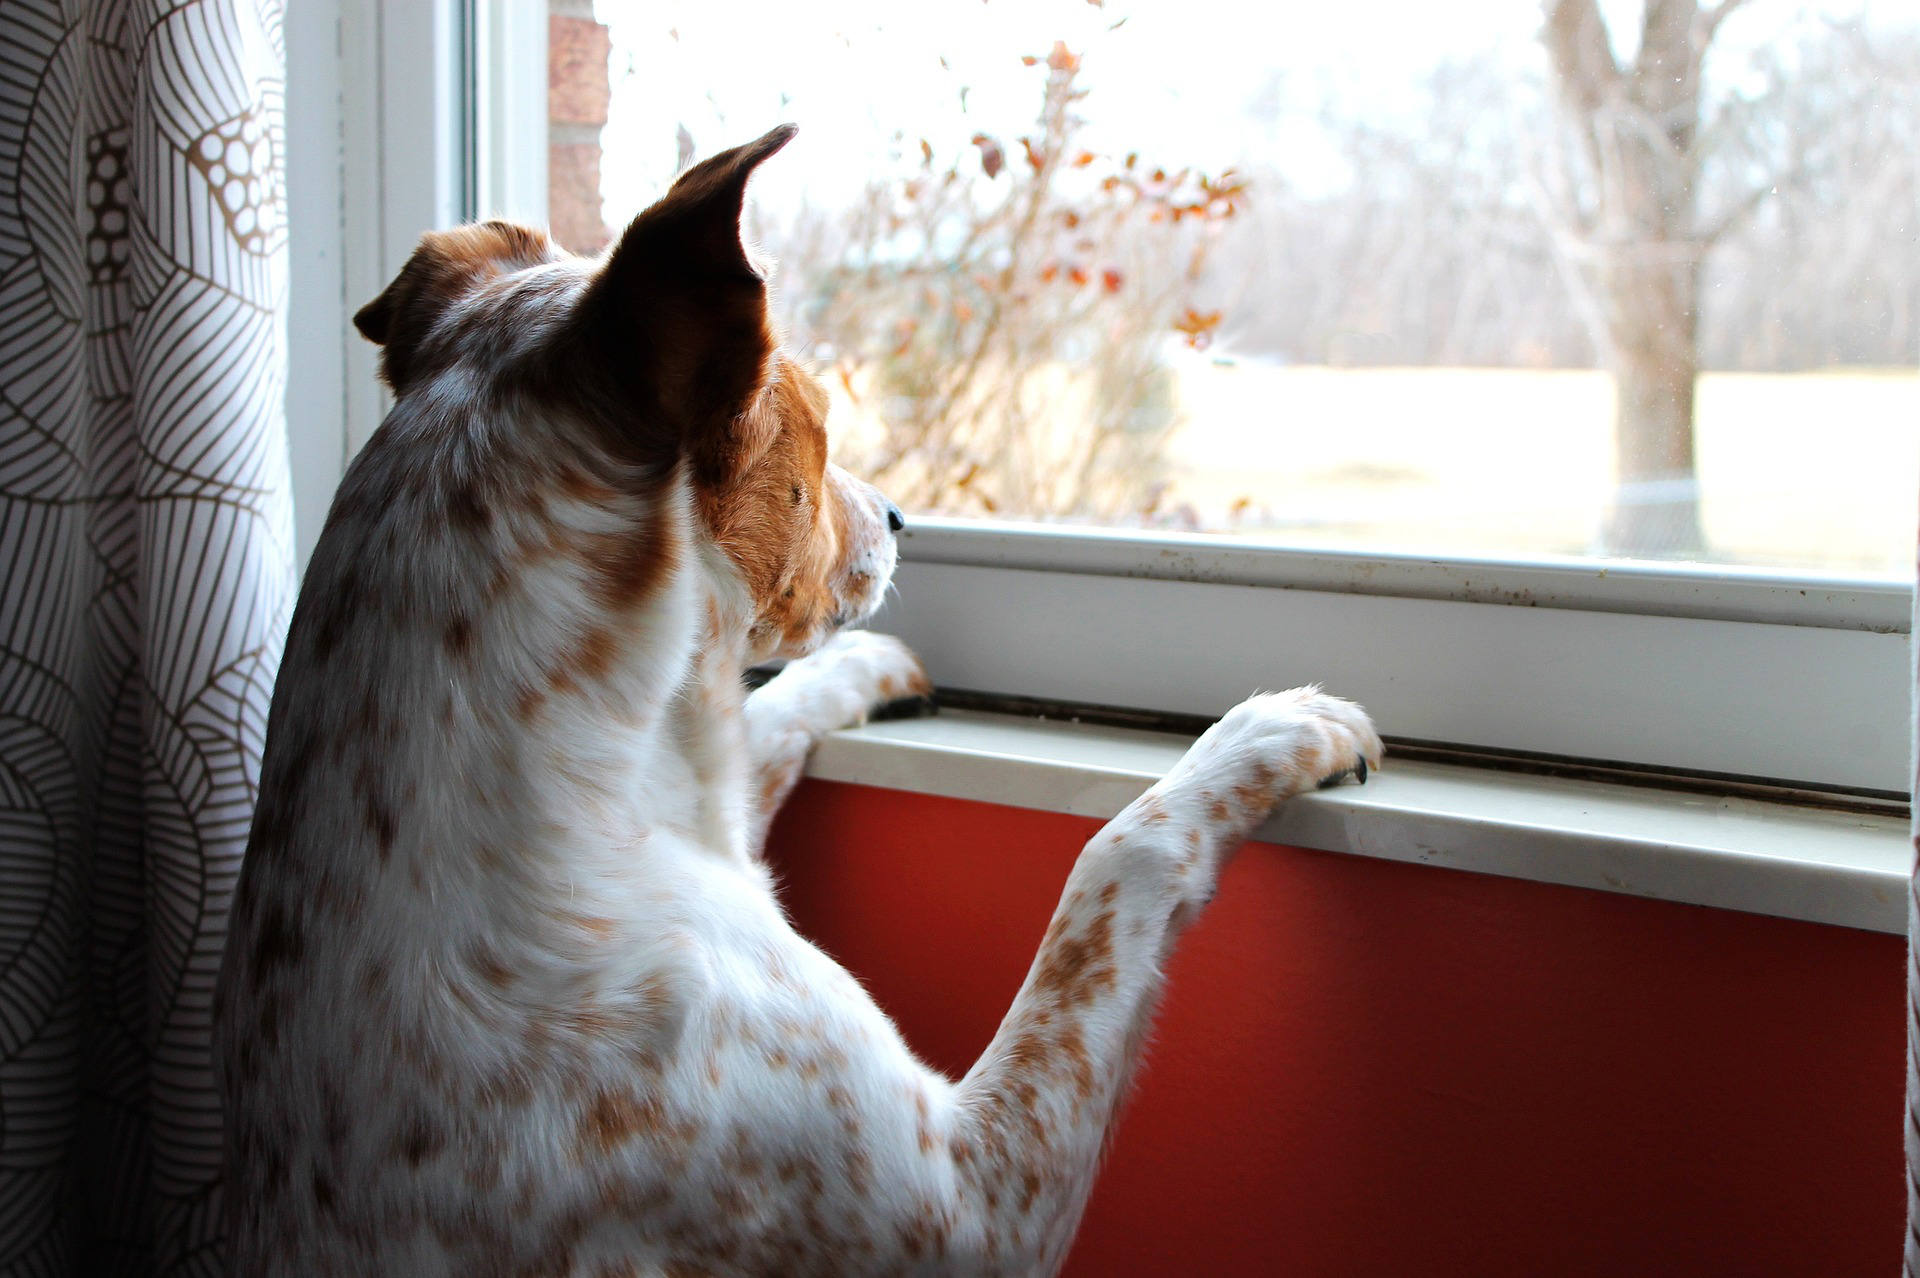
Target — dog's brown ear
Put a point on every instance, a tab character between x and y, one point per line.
445	265
679	312
376	317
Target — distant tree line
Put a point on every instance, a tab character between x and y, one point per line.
1448	244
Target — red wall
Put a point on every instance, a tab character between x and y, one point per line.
1364	1067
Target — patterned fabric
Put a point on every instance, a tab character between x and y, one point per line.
146	551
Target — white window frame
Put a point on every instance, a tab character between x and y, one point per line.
1798	679
383	129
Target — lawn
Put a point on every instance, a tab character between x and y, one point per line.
1807	470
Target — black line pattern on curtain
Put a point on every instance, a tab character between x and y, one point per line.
146	551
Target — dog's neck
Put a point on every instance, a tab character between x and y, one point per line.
704	725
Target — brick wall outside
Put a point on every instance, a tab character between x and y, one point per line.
577	95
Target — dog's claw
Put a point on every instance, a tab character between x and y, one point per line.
1358	772
906	708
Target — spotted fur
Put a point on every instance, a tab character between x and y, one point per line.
508	990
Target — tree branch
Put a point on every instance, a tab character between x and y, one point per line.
1711	18
1666	37
1577	45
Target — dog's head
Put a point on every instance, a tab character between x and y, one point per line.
663	346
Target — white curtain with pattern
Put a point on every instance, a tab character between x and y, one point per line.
146	548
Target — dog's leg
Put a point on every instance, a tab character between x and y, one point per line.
854	1157
833	688
1032	1115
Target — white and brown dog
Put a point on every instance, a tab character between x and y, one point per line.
508	989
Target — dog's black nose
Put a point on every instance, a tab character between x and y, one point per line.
895	520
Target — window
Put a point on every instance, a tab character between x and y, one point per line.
1351	415
1206	268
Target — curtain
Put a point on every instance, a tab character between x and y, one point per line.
146	552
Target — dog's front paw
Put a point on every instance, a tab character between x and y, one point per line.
877	668
1269	748
852	674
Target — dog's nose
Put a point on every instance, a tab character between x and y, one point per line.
895	520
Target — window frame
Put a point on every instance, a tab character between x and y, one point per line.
1790	678
389	135
1799	681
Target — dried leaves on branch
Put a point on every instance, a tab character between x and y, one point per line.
1003	315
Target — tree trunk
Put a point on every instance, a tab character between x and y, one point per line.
1634	129
1652	322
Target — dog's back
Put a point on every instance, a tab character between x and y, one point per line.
508	990
503	965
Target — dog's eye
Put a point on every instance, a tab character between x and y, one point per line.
799	494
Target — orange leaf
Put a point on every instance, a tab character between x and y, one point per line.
1197	327
992	158
926	151
905	328
1034	158
1060	59
1078	274
1028	60
1085	158
1110	280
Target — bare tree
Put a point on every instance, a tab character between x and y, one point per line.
1637	241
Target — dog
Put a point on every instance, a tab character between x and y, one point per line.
508	990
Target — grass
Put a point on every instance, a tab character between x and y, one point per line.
1808	470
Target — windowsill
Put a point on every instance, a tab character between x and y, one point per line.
1822	866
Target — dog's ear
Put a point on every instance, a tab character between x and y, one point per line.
679	312
376	317
445	266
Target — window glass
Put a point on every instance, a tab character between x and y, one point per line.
1485	277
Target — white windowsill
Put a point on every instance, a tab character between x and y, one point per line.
1739	854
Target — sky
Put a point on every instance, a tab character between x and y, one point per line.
1208	82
